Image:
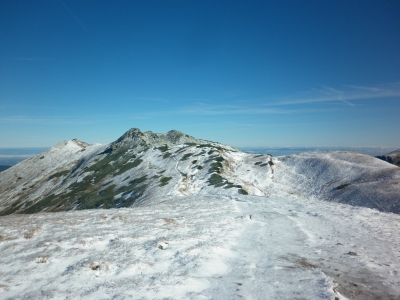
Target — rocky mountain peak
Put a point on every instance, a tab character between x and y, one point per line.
175	136
135	138
131	134
80	143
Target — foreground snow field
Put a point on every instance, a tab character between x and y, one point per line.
203	247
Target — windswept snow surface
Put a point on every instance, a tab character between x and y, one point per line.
341	176
197	220
203	247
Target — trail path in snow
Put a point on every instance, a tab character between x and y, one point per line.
305	249
205	247
261	268
176	166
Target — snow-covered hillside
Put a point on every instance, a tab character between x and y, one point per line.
345	177
141	167
134	169
194	219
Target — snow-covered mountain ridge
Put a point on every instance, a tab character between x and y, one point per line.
345	177
205	221
143	166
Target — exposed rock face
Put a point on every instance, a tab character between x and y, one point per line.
80	143
392	157
134	138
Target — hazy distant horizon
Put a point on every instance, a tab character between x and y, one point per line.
280	151
11	156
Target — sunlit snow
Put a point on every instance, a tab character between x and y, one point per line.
192	233
202	248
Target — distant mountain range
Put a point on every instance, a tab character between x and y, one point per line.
144	167
392	157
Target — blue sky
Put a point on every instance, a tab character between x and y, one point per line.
244	73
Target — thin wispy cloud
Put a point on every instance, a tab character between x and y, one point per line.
214	110
219	124
21	105
345	94
43	121
29	59
228	110
190	100
151	99
219	110
347	102
75	18
365	88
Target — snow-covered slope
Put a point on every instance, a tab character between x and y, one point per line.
241	247
345	177
142	167
134	169
205	221
30	180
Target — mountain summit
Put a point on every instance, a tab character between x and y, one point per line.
138	140
146	167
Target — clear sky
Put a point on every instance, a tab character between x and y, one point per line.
243	73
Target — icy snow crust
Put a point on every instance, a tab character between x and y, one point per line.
205	221
203	248
345	177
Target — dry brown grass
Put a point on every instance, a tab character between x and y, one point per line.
42	259
95	267
298	261
170	220
4	287
30	233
